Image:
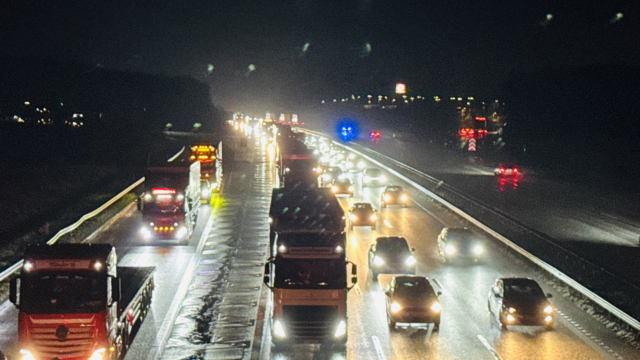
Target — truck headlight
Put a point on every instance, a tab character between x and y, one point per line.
377	261
181	232
147	198
98	354
145	232
351	188
449	249
387	198
477	250
278	330
410	261
341	330
353	217
404	198
180	197
334	188
374	217
26	355
206	193
548	309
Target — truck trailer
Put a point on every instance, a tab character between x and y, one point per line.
75	303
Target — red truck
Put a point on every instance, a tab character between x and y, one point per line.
75	302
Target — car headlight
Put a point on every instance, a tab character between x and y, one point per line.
377	261
410	261
395	307
334	188
180	197
548	318
477	249
511	310
374	217
404	198
341	330
548	309
436	307
338	249
145	232
387	198
98	354
351	188
26	355
361	165
449	249
147	198
282	249
353	217
510	318
278	330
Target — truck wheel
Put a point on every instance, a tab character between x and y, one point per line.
436	324
392	324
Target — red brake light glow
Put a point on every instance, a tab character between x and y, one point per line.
163	191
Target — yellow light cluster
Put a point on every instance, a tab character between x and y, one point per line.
165	228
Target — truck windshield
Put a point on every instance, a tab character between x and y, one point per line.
310	274
63	292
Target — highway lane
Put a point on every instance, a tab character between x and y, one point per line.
466	331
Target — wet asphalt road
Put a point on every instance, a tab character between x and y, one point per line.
186	276
466	331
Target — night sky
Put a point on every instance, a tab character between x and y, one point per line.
305	50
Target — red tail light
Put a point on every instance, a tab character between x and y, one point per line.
515	170
163	191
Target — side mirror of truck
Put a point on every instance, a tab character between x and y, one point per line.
115	289
13	291
267	274
354	275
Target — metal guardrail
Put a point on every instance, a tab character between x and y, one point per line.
542	264
17	266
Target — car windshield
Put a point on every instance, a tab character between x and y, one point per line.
393	189
520	288
393	245
310	274
414	289
363	207
460	235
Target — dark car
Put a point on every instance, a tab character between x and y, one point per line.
459	243
520	301
331	173
373	177
362	214
394	195
506	170
342	186
411	299
391	255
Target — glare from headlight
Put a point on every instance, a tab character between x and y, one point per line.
373	217
436	307
512	310
395	307
341	330
26	355
181	232
403	198
449	249
270	220
278	330
351	188
282	248
510	318
353	217
334	188
98	354
377	261
548	309
410	261
387	198
548	318
145	232
477	250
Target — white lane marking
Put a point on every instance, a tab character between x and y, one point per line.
489	347
387	223
429	212
358	291
169	319
586	333
378	346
